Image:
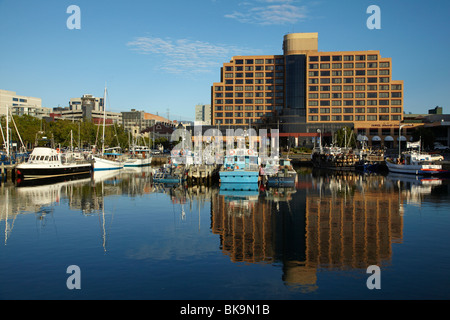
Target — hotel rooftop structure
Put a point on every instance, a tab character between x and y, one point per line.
305	90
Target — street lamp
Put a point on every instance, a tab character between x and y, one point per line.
320	137
399	140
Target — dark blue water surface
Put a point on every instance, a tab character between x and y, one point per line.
132	239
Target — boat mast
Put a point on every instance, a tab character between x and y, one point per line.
7	132
104	121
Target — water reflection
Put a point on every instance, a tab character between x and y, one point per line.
329	221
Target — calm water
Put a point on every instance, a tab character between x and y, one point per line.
135	240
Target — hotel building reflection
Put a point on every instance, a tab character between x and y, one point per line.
340	223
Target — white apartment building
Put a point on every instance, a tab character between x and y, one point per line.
20	105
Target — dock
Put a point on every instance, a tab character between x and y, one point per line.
8	173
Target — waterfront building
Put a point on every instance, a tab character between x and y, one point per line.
135	121
305	91
20	105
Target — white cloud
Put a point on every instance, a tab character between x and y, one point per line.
274	12
184	55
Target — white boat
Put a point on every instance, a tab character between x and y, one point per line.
48	163
140	157
107	160
414	163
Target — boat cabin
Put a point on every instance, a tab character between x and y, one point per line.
45	155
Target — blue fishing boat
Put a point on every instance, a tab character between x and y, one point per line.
240	166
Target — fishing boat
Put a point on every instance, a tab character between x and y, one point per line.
414	162
169	173
334	158
48	163
140	157
240	166
284	175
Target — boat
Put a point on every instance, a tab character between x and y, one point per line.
413	162
112	160
279	173
50	164
334	158
140	157
169	173
240	166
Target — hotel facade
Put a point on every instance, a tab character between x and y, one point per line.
305	91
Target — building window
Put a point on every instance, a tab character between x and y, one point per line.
348	65
384	118
396	102
337	58
324	110
239	61
336	118
313	110
396	117
384	110
384	64
372	118
337	103
360	118
324	66
324	103
396	87
372	57
337	65
348	110
348	118
336	110
313	118
359	110
324	118
396	94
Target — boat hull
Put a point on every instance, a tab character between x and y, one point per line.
414	169
101	164
135	163
30	172
277	181
239	176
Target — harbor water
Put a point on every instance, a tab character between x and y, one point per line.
133	239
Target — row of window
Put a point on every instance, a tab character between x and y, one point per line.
349	65
326	103
241	114
259	61
240	108
248	101
255	68
254	75
358	95
19	100
267	94
346	118
370	57
348	87
237	121
355	110
348	73
250	81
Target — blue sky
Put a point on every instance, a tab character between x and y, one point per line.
163	56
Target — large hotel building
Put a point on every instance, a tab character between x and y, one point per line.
305	91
